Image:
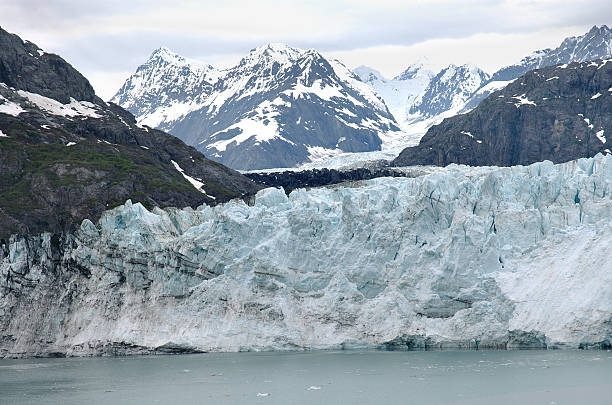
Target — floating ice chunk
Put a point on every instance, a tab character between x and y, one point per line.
3	135
600	136
313	388
552	78
596	96
71	144
263	394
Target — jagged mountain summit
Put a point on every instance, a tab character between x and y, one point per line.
66	155
448	91
165	79
278	107
595	44
557	113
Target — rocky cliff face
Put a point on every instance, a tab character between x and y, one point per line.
557	113
66	155
25	66
460	256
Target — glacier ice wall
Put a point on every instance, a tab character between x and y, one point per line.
461	256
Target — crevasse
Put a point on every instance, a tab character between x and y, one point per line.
461	256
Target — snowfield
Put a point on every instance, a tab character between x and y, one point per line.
456	256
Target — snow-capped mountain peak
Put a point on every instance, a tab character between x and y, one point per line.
165	78
269	54
368	75
163	57
449	90
401	92
595	44
421	68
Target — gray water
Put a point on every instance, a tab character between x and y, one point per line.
351	377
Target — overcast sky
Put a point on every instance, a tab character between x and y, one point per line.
107	40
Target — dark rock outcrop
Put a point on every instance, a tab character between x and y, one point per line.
557	113
23	65
290	180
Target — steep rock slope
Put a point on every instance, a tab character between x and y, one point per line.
66	155
485	257
556	113
280	106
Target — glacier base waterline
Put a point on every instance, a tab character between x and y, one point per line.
459	257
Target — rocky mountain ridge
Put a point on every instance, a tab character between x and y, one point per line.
593	45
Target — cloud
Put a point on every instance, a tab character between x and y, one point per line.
115	36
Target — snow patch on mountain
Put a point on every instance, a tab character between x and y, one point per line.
54	107
522	100
9	107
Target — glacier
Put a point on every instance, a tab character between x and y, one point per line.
450	257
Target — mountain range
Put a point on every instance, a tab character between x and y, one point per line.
282	106
459	89
278	107
558	113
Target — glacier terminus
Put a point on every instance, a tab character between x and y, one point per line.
449	257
